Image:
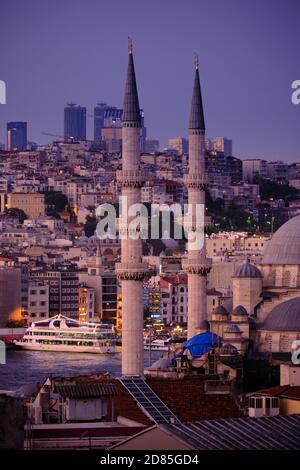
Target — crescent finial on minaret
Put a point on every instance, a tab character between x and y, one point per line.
196	59
130	45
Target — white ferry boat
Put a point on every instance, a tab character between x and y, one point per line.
157	344
60	333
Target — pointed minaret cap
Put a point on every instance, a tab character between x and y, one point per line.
131	107
197	115
98	263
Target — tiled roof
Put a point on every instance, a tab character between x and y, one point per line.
267	433
273	390
284	391
187	399
86	390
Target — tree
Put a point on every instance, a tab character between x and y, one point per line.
18	213
90	225
269	189
56	201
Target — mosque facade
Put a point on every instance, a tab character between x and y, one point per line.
264	311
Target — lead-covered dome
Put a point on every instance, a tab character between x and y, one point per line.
232	328
284	317
240	311
220	310
284	246
248	270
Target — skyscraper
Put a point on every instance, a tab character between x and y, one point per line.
74	122
99	112
16	135
111	131
197	265
131	271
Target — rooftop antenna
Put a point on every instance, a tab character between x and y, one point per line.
130	45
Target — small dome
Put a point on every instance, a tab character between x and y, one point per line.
240	310
284	317
232	328
228	349
204	325
248	270
162	363
228	304
221	310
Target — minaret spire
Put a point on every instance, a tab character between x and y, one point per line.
98	256
197	114
131	107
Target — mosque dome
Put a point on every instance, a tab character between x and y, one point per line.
204	325
232	328
248	270
284	247
284	317
228	304
240	310
228	349
221	310
162	363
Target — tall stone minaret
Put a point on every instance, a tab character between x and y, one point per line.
131	271
197	265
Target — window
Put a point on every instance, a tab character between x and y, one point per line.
255	402
33	292
275	403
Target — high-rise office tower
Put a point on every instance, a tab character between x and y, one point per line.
111	131
131	271
16	135
99	112
74	122
197	265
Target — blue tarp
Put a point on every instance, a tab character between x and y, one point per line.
201	344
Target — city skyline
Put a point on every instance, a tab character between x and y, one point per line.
245	64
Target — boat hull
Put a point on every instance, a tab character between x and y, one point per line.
64	348
156	348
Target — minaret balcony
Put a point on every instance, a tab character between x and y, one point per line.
193	224
198	265
196	180
133	271
131	178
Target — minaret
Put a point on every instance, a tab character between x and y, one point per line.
197	265
131	271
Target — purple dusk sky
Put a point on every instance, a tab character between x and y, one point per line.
54	51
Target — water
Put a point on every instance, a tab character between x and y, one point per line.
32	367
